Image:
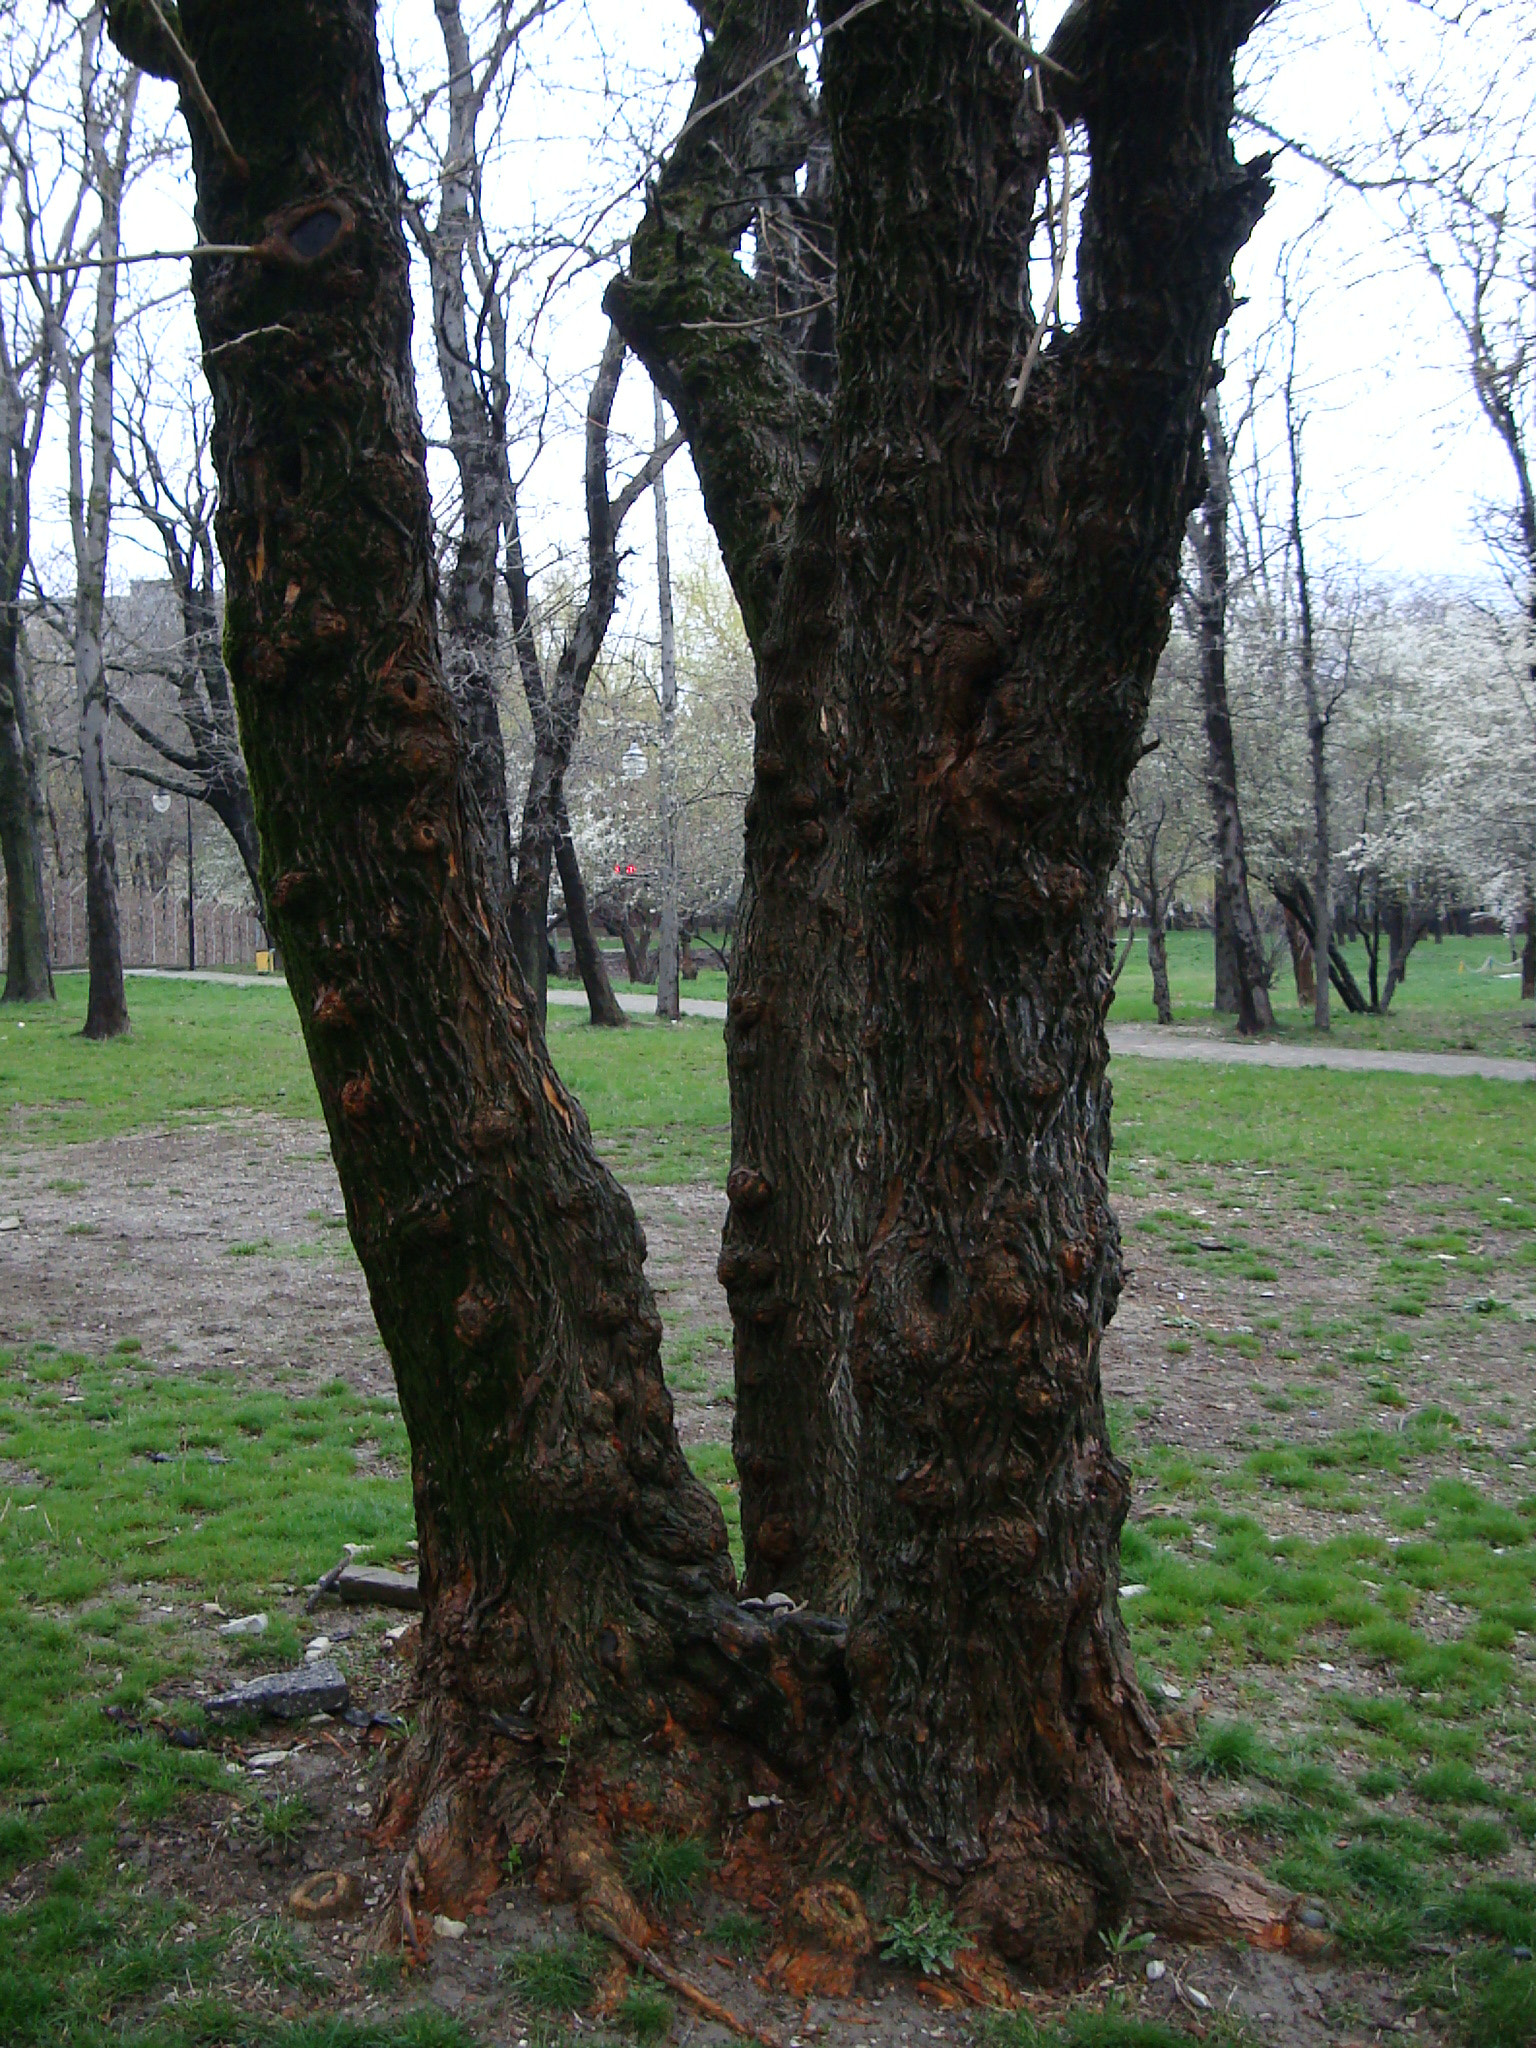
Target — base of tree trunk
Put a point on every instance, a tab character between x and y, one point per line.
749	1752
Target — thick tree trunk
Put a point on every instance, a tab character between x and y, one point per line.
1001	607
667	992
602	1003
28	974
571	1566
957	608
1208	536
749	383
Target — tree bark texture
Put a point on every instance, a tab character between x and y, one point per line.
747	372
1528	953
1208	537
90	508
28	972
667	992
999	599
570	1563
956	609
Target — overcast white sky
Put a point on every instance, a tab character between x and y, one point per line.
1398	459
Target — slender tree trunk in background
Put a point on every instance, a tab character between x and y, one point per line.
957	613
667	992
556	710
90	506
1227	992
602	1003
1317	721
1405	927
28	974
1302	963
1528	956
1157	960
1208	537
477	417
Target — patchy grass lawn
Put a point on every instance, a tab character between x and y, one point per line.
1321	1377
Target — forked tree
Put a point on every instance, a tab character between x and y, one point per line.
957	602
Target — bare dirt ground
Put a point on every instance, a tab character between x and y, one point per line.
140	1236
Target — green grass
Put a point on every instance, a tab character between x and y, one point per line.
1380	1799
1448	1003
666	1869
557	1976
659	1107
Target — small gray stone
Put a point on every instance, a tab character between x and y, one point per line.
1313	1916
366	1585
286	1695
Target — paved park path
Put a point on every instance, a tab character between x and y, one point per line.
1128	1041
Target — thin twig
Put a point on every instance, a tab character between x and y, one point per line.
761	320
643	1959
117	262
197	92
1058	269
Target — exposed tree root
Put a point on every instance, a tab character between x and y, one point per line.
712	2009
470	1787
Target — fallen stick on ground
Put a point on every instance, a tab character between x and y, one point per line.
643	1959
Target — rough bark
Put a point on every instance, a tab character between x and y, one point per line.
28	973
667	992
1235	918
568	1560
956	610
570	1564
90	506
745	363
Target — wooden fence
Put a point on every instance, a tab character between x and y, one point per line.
154	929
